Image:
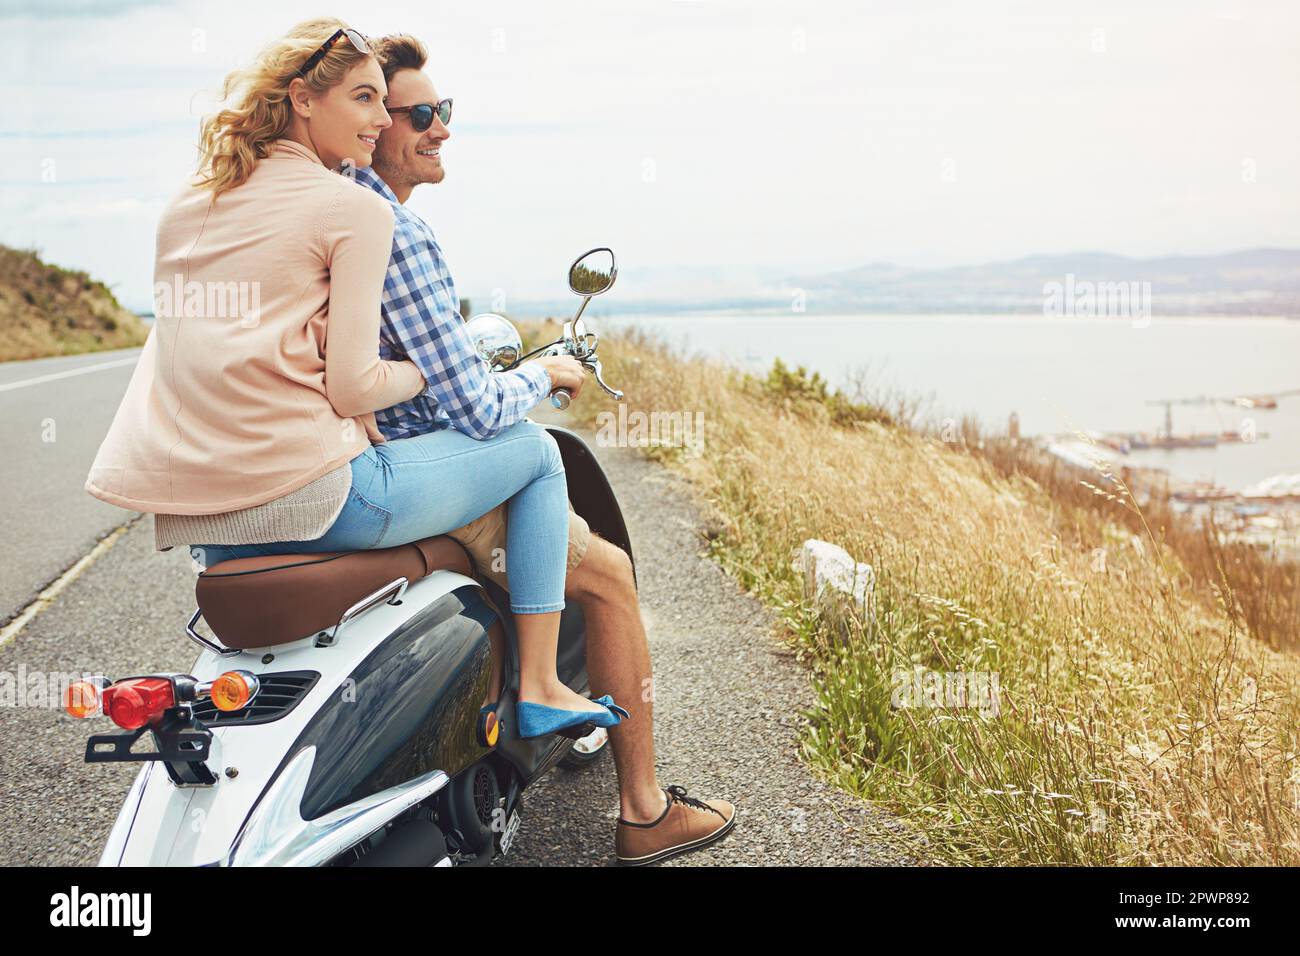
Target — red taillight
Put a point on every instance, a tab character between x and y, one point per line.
134	703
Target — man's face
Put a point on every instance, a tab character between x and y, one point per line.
404	155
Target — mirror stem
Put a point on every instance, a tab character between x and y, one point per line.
585	300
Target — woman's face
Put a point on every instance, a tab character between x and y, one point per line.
347	118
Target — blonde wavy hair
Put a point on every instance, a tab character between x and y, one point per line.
234	139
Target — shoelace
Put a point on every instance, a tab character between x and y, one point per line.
678	794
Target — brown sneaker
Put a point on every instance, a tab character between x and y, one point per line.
686	824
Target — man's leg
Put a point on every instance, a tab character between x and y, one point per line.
599	578
618	663
654	824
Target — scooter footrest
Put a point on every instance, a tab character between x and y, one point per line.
577	731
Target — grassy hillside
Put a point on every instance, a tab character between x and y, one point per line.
46	310
1139	720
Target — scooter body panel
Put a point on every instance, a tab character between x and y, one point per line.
437	635
390	719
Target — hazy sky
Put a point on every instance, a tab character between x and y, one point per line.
703	138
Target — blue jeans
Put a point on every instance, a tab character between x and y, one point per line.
433	483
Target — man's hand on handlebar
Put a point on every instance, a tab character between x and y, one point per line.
565	372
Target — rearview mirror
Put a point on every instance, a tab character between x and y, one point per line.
593	272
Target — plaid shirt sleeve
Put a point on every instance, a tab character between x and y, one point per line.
421	319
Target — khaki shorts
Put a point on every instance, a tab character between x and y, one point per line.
485	539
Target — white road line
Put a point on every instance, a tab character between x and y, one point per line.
68	374
46	597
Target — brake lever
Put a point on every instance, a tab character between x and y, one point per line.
593	363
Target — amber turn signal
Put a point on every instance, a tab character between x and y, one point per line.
82	699
233	690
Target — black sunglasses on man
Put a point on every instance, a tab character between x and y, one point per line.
422	113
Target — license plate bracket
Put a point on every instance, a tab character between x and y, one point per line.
177	739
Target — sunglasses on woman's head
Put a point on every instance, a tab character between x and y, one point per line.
355	38
422	113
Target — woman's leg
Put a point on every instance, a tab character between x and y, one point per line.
437	482
526	465
430	484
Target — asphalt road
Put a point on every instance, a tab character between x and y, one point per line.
53	415
727	696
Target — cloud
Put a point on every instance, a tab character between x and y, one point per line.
77	212
106	132
726	135
71	9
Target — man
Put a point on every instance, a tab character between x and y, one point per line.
421	321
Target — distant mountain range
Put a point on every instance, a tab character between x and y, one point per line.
1262	282
1251	282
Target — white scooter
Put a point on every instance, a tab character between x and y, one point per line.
333	715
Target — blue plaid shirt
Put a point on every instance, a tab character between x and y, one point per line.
420	321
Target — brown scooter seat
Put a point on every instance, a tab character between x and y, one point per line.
277	598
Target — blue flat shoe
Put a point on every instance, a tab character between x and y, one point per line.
537	720
608	701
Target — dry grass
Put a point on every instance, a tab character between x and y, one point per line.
1260	590
1139	721
46	310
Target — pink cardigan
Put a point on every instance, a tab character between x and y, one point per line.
235	400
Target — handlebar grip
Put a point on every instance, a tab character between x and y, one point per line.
560	398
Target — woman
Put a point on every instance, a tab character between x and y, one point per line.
249	420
